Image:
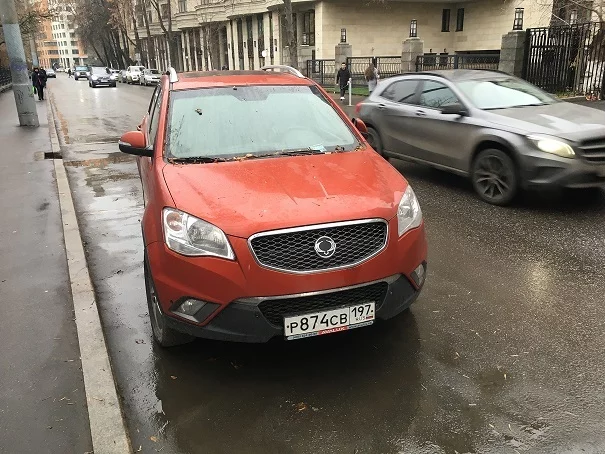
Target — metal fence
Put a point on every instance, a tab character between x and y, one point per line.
567	59
5	77
431	62
322	71
387	66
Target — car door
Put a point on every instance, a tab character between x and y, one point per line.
442	139
150	128
395	108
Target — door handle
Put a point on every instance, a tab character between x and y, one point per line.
421	113
382	106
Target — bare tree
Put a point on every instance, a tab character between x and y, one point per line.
121	12
30	18
150	44
291	40
168	31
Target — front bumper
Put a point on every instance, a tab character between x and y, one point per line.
238	291
543	169
134	78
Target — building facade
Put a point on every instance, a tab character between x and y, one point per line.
57	43
246	34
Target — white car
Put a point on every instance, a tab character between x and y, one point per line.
133	74
150	77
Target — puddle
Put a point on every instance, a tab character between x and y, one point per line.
112	158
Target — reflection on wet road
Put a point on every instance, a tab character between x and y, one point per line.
501	353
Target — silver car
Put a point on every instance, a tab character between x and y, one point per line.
502	132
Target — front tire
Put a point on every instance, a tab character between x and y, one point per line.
495	177
375	141
163	335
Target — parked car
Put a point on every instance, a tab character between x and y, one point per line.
502	132
282	221
50	73
115	72
81	72
122	76
133	74
150	77
101	76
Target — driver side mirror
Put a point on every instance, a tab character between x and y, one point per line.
361	127
133	142
454	109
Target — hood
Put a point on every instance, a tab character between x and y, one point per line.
251	196
563	119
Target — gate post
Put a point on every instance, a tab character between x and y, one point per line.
513	52
412	48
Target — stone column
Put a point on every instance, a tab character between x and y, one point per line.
412	48
245	43
512	53
221	49
267	33
196	46
255	40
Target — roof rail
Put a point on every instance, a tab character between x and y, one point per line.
172	76
284	68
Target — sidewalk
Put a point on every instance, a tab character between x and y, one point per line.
42	399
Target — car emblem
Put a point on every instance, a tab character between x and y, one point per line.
325	247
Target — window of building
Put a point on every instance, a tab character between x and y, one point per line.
460	20
284	30
139	20
72	35
74	43
164	10
150	17
182	6
62	25
75	51
308	37
445	20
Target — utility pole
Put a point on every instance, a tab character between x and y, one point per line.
24	97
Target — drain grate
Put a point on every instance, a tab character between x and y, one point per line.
52	155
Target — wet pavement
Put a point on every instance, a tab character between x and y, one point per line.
501	353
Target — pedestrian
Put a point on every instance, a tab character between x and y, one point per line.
39	82
224	68
69	73
371	75
342	79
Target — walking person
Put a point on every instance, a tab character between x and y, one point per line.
39	82
371	75
69	73
342	79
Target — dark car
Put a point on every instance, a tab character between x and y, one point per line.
503	132
101	76
81	72
51	73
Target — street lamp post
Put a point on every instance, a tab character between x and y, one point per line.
24	98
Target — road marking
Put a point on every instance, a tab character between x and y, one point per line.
107	425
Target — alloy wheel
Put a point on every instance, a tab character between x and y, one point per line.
494	177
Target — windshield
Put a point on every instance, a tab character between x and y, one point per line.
100	71
241	121
154	71
504	93
81	68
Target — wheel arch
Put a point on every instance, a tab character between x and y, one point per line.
497	143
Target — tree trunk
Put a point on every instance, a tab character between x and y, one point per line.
290	36
137	38
172	42
150	44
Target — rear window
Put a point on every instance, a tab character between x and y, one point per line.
235	121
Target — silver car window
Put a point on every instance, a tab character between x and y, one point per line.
436	94
401	91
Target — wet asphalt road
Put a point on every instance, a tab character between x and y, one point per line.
503	352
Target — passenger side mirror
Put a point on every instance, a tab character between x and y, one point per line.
454	109
361	127
133	142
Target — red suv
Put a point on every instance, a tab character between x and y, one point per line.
267	213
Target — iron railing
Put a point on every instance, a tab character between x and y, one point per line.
387	66
567	59
431	62
322	71
5	77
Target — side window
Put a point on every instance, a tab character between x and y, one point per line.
154	115
435	95
402	91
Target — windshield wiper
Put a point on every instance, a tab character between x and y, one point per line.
196	160
301	152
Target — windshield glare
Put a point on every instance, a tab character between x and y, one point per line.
99	70
82	68
503	93
237	121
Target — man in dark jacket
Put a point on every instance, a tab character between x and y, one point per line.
342	79
39	82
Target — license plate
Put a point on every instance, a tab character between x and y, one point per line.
328	322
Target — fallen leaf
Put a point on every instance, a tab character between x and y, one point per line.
301	406
173	377
140	449
154	439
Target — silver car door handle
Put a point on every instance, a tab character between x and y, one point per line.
382	106
421	113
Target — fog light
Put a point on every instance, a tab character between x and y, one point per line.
190	307
419	274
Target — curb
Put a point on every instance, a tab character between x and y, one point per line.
107	425
6	87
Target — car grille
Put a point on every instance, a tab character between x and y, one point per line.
294	251
594	150
275	310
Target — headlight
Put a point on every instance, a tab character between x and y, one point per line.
553	146
95	77
409	214
112	77
191	236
